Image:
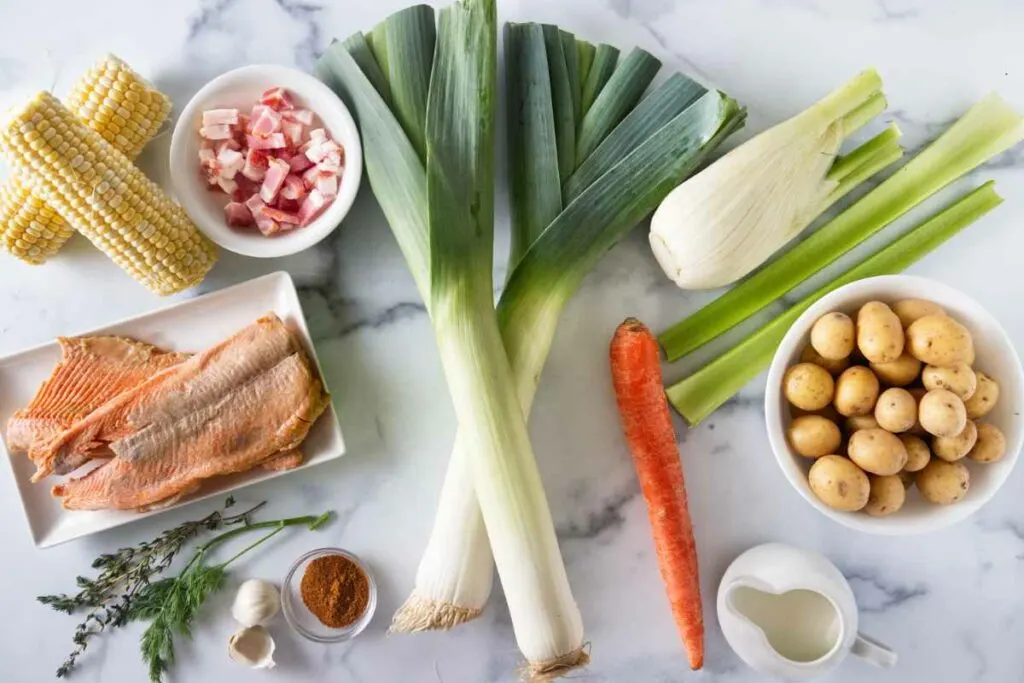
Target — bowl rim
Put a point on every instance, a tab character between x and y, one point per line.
342	634
182	169
789	462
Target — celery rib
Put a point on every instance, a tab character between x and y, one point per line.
702	393
988	128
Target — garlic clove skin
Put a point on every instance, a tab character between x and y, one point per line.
256	603
252	646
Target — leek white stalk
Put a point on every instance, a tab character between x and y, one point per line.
731	217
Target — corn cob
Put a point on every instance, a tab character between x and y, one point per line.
108	199
118	104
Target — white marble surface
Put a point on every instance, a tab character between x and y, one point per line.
951	603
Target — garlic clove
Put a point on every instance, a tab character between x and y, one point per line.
255	603
252	646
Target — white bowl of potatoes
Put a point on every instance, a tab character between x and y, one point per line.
893	405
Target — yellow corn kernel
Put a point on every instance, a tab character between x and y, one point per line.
42	140
109	86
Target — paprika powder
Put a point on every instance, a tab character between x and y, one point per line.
336	590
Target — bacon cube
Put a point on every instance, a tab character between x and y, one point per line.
220	117
272	141
303	116
312	205
327	185
221	132
277	171
238	215
278	98
293	188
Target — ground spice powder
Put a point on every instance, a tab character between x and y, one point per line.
335	590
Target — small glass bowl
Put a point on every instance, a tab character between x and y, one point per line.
305	622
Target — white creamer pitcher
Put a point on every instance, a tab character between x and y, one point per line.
790	613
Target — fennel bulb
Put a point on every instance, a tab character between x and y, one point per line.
731	217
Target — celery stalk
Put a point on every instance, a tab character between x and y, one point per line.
702	393
990	127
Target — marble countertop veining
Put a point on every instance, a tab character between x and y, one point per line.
951	603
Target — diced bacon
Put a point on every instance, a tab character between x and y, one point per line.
290	205
318	135
227	144
220	117
272	182
238	215
292	131
229	186
327	185
303	116
231	162
299	163
268	121
312	205
329	165
309	177
255	204
207	156
278	98
268	226
246	188
222	132
317	152
255	165
281	216
293	188
272	141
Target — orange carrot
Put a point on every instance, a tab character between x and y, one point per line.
636	374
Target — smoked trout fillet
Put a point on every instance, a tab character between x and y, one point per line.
92	370
268	413
169	396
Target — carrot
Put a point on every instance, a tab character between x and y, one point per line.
636	374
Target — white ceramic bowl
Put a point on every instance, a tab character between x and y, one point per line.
242	88
995	356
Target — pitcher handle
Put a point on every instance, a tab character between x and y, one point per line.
873	651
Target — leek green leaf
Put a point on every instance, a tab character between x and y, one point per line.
410	36
602	65
561	97
360	50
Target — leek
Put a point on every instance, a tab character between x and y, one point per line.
731	217
561	226
990	127
699	395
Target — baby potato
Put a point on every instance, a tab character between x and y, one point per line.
909	310
951	448
856	391
832	336
896	410
835	367
839	483
991	444
898	373
984	397
813	436
918	453
886	497
808	386
877	451
856	423
943	482
939	340
958	378
879	333
942	413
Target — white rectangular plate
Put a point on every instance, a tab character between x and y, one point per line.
191	326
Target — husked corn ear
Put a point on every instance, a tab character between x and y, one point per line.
121	106
30	229
109	200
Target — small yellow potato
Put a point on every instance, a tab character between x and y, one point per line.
877	451
879	333
942	413
939	340
855	423
887	495
835	367
952	448
813	436
958	378
898	373
909	310
984	398
943	482
838	483
832	336
991	444
896	410
856	391
808	386
918	453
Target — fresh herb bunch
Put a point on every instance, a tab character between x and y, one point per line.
125	591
